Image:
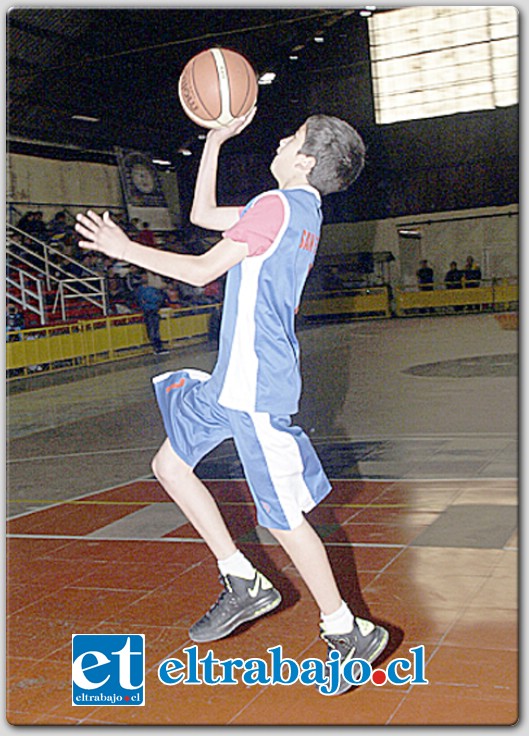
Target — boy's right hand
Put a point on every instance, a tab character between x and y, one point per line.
234	128
102	234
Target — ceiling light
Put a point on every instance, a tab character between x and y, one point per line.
319	39
86	118
161	162
413	234
365	13
267	78
185	152
293	57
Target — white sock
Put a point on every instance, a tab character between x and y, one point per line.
339	622
237	564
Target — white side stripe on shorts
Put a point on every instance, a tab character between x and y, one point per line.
285	466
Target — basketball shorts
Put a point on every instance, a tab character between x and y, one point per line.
283	471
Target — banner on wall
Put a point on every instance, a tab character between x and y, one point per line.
142	189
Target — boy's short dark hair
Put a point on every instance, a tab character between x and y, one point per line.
339	152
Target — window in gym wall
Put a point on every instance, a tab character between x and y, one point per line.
428	61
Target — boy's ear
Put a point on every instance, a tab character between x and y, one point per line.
305	163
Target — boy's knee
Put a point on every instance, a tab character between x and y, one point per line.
166	465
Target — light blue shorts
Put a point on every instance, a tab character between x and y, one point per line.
283	471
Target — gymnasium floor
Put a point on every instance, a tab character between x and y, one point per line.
416	422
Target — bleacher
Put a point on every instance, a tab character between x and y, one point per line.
42	282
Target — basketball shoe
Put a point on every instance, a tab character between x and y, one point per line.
241	600
366	641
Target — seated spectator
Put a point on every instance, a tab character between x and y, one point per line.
115	289
58	228
14	322
172	295
89	263
133	280
213	292
191	295
25	221
37	227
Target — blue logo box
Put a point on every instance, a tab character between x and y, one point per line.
108	669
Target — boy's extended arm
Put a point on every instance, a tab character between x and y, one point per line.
204	211
103	235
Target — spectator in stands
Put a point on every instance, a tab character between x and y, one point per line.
133	280
150	300
172	295
38	227
146	236
191	295
88	264
425	276
454	277
114	288
472	274
58	228
26	221
213	292
14	323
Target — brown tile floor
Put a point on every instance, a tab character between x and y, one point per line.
63	582
420	526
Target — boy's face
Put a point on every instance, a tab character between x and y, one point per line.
288	158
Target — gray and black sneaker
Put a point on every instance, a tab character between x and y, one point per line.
366	641
241	600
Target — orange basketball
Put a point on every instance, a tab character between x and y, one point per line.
216	86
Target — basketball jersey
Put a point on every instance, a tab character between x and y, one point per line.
258	362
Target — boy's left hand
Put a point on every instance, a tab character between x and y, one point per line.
102	234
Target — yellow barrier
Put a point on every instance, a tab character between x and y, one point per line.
100	340
373	302
500	295
112	338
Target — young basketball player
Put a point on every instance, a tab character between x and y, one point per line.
267	248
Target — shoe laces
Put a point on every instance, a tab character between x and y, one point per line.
228	591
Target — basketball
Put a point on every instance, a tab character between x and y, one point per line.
216	86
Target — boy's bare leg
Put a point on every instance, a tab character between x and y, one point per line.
244	598
305	548
192	496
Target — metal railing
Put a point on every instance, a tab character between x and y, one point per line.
31	298
55	269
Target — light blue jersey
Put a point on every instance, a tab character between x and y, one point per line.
258	363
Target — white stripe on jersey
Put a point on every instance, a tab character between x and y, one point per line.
239	390
285	466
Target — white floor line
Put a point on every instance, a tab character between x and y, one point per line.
77	498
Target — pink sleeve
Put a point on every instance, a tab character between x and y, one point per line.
260	225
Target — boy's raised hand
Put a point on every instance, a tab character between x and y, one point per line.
233	129
102	234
